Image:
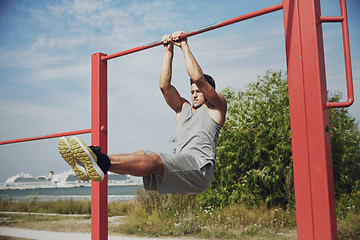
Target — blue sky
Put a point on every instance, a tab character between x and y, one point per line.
45	49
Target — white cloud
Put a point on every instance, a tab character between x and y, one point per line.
44	43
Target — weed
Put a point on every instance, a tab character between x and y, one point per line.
153	214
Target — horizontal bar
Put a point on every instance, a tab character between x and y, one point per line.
201	30
55	135
332	19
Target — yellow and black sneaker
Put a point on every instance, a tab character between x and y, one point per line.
66	153
97	163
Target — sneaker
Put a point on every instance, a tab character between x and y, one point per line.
65	152
97	163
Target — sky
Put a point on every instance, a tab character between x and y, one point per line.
46	48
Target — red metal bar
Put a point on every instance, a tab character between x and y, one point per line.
201	30
347	57
99	194
313	176
55	135
331	19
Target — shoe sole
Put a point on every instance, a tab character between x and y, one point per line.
66	154
85	155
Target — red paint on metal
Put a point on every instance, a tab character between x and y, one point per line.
347	57
313	177
331	19
201	30
55	135
99	195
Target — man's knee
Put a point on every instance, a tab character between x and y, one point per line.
154	157
159	164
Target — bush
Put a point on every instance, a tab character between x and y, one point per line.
254	147
254	153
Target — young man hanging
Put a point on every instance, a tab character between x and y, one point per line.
191	168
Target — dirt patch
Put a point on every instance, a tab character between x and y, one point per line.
82	224
56	223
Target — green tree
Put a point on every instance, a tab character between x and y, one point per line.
345	146
254	158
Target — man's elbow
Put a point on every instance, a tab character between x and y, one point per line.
164	87
197	78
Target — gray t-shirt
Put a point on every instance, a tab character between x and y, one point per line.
191	168
197	134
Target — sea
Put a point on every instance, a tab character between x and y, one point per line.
115	193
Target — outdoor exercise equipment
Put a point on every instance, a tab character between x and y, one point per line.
313	176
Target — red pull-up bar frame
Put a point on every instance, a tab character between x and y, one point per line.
54	135
200	30
347	56
314	189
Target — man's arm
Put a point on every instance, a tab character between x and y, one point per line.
195	72
171	95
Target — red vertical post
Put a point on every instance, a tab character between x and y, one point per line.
313	174
99	194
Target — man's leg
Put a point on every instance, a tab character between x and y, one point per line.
97	164
137	164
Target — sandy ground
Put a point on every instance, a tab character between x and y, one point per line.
46	235
69	227
34	233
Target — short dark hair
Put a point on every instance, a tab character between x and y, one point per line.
208	78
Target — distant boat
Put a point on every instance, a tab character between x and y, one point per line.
65	179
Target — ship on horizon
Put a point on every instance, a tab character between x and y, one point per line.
61	180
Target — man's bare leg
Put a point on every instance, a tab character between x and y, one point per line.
137	164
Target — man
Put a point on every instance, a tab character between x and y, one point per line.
191	168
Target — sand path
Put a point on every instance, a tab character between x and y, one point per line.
46	235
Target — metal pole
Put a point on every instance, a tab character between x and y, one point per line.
99	194
313	176
347	58
201	30
55	135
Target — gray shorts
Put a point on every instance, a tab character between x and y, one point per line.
183	173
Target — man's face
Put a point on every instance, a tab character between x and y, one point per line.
197	96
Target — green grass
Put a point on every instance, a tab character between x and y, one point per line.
58	206
156	215
349	226
178	215
63	206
